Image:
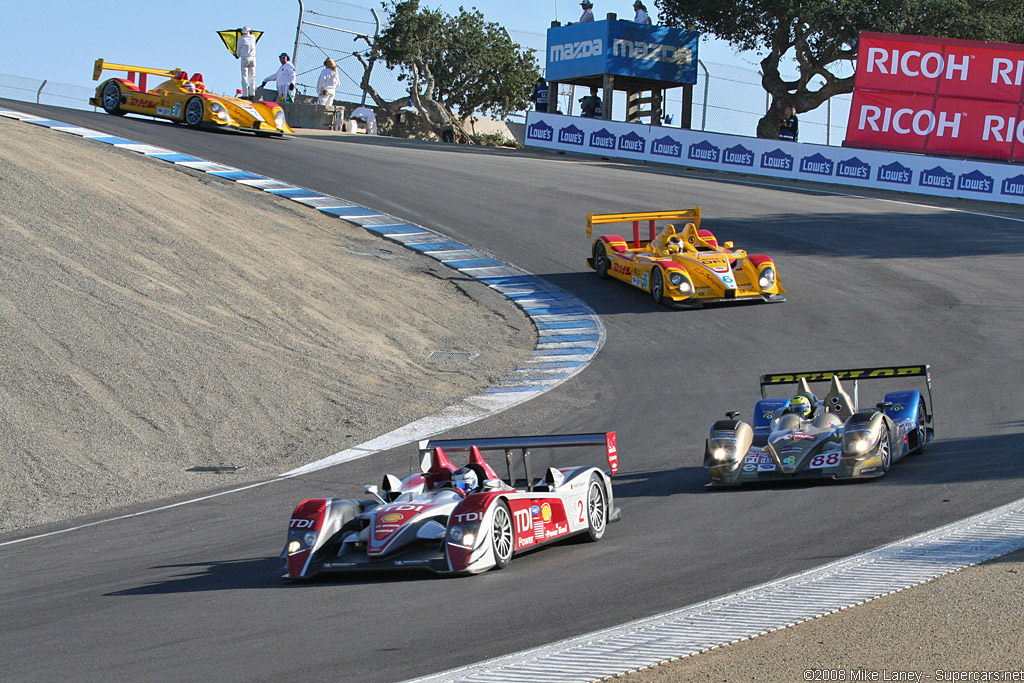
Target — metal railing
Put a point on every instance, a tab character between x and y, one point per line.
45	92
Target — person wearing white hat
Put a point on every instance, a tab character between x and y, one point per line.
246	52
588	12
328	82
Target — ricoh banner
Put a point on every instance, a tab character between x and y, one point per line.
938	96
778	159
622	48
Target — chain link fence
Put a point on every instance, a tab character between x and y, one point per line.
45	92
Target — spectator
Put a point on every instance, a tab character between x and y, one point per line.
591	105
328	82
285	78
641	13
788	125
588	13
245	50
540	95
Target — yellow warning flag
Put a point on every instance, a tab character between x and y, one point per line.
230	38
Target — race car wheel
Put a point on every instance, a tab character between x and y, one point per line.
657	286
194	112
884	450
502	537
597	508
601	259
111	98
922	429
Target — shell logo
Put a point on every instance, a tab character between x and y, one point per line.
393	517
545	512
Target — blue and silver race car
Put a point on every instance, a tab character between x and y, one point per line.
804	437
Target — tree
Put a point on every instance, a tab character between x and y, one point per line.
455	66
821	35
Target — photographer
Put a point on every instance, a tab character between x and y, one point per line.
590	105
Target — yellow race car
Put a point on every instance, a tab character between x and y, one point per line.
681	262
184	100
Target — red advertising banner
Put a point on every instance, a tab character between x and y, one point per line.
939	96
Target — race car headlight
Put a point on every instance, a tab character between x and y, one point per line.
859	443
279	118
309	539
219	112
719	453
767	278
462	536
294	547
679	281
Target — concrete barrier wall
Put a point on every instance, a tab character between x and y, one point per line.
909	173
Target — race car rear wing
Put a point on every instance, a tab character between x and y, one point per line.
142	71
689	215
891	372
524	444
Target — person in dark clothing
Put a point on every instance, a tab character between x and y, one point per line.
788	125
540	95
590	105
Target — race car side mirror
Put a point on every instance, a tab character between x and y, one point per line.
731	414
728	245
373	491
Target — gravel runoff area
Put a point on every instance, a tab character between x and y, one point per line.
156	320
161	327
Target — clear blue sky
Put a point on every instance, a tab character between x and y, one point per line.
59	40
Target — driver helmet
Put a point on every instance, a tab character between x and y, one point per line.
189	86
801	406
465	480
675	245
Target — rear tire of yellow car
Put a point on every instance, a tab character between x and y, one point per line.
194	112
601	259
657	286
110	98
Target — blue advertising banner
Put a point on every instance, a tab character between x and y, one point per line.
777	158
622	48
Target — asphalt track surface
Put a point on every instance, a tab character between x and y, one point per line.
194	592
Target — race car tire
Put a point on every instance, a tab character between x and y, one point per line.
502	536
194	112
884	450
601	260
110	97
597	508
922	429
657	286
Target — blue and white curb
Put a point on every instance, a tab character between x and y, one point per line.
569	333
759	610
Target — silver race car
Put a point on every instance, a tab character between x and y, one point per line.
456	520
804	437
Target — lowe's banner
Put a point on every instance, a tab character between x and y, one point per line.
779	159
622	48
